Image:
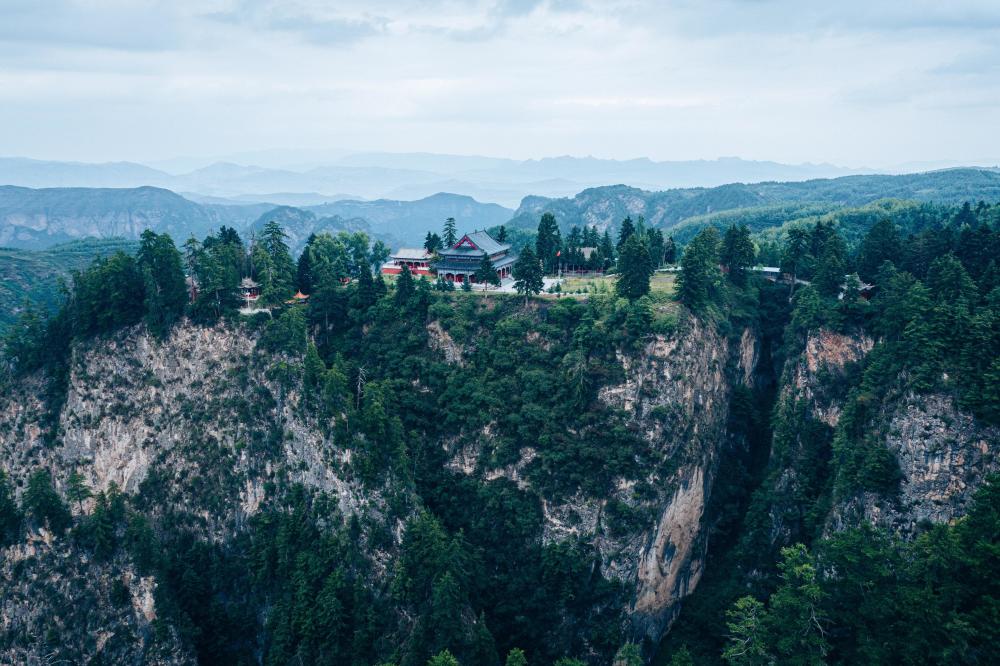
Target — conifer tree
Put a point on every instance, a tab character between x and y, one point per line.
163	275
77	489
670	251
698	280
10	515
43	504
737	253
502	234
635	268
486	273
404	286
516	657
450	232
528	274
624	233
548	242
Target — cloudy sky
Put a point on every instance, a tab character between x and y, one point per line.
857	83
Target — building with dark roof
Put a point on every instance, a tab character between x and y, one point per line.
418	260
462	260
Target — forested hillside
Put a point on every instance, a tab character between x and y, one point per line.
35	278
759	205
725	469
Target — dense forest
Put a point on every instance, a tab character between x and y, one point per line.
473	577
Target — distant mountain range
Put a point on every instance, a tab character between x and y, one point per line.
40	218
407	176
606	206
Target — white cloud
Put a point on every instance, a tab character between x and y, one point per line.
854	83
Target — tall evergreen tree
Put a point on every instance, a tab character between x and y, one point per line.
404	286
635	268
166	292
737	253
698	280
625	232
450	236
670	251
502	234
528	274
487	273
880	244
548	242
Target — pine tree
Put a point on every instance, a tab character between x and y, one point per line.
698	280
304	279
831	268
274	266
796	616
43	504
450	232
635	268
626	231
404	286
516	657
670	251
528	274
10	515
747	644
487	273
548	242
502	234
737	253
432	242
165	289
880	244
77	489
607	250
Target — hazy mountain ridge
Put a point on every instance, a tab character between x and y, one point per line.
410	220
606	206
411	175
36	218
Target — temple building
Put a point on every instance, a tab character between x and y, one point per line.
418	260
462	260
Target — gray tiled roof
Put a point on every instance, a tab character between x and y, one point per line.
482	240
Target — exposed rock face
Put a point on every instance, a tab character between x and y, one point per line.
944	456
63	608
826	356
196	423
943	453
676	392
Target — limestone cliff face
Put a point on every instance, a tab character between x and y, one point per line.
943	454
675	390
199	423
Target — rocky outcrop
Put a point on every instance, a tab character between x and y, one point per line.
812	376
197	425
58	606
944	455
675	392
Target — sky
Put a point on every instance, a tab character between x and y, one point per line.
860	83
